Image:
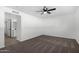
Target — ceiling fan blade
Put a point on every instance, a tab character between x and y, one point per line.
52	9
48	12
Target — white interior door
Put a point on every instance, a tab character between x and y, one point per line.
11	27
8	28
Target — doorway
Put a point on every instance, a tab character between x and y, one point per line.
12	29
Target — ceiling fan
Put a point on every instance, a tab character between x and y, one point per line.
46	10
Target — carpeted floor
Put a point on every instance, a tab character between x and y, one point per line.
44	44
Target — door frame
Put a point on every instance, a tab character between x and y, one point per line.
18	30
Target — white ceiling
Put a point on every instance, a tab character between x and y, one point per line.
60	10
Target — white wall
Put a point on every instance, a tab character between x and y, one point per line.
31	26
1	28
77	24
62	26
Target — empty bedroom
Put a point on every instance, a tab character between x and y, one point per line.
39	29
